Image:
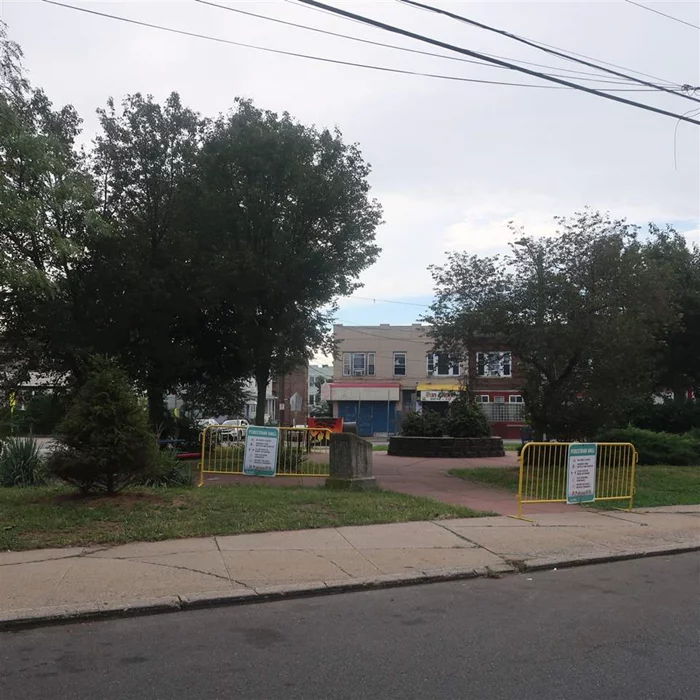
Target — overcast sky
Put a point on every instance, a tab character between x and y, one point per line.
453	162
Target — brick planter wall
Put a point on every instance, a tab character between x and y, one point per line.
445	447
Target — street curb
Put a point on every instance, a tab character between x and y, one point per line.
66	614
546	563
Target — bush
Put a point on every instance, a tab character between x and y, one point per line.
105	443
466	420
667	417
426	424
21	463
168	471
657	448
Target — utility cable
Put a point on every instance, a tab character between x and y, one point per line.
522	40
322	59
663	14
432	54
520	69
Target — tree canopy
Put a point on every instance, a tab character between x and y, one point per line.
195	252
290	205
585	313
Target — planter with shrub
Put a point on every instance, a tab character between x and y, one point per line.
463	431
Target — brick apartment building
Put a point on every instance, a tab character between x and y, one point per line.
383	371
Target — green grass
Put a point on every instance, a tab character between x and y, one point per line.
656	486
38	517
380	448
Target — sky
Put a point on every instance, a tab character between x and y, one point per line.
452	162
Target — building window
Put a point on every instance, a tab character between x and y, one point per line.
515	399
494	364
358	364
440	364
482	398
499	399
399	364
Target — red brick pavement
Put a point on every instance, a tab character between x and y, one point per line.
429	478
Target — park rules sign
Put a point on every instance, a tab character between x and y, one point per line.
580	482
261	446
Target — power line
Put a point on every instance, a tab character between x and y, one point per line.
541	43
390	301
598	60
693	112
527	42
663	14
432	54
322	59
474	54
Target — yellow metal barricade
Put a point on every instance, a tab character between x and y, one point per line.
301	451
544	470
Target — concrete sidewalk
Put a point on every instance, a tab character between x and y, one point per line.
62	584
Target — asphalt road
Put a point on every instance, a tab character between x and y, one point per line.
624	631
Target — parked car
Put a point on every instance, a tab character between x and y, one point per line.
237	429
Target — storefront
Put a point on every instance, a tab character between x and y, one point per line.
372	406
436	397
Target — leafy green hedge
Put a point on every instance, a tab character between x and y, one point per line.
667	417
658	448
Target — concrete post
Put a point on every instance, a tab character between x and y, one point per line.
350	462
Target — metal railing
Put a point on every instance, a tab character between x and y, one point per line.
300	452
504	412
544	472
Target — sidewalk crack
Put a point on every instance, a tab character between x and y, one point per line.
58	585
371	563
228	571
466	539
182	568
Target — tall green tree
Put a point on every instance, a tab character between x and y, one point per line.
47	218
144	161
679	360
291	209
582	313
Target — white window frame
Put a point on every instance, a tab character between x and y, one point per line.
483	398
493	363
515	398
454	369
405	363
368	362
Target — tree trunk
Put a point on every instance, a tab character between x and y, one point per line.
156	408
262	376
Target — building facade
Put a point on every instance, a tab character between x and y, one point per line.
318	375
381	372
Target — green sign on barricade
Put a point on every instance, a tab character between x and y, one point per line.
261	447
580	482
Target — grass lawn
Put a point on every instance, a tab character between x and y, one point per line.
380	448
656	486
56	517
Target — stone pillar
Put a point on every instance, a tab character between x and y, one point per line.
350	462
